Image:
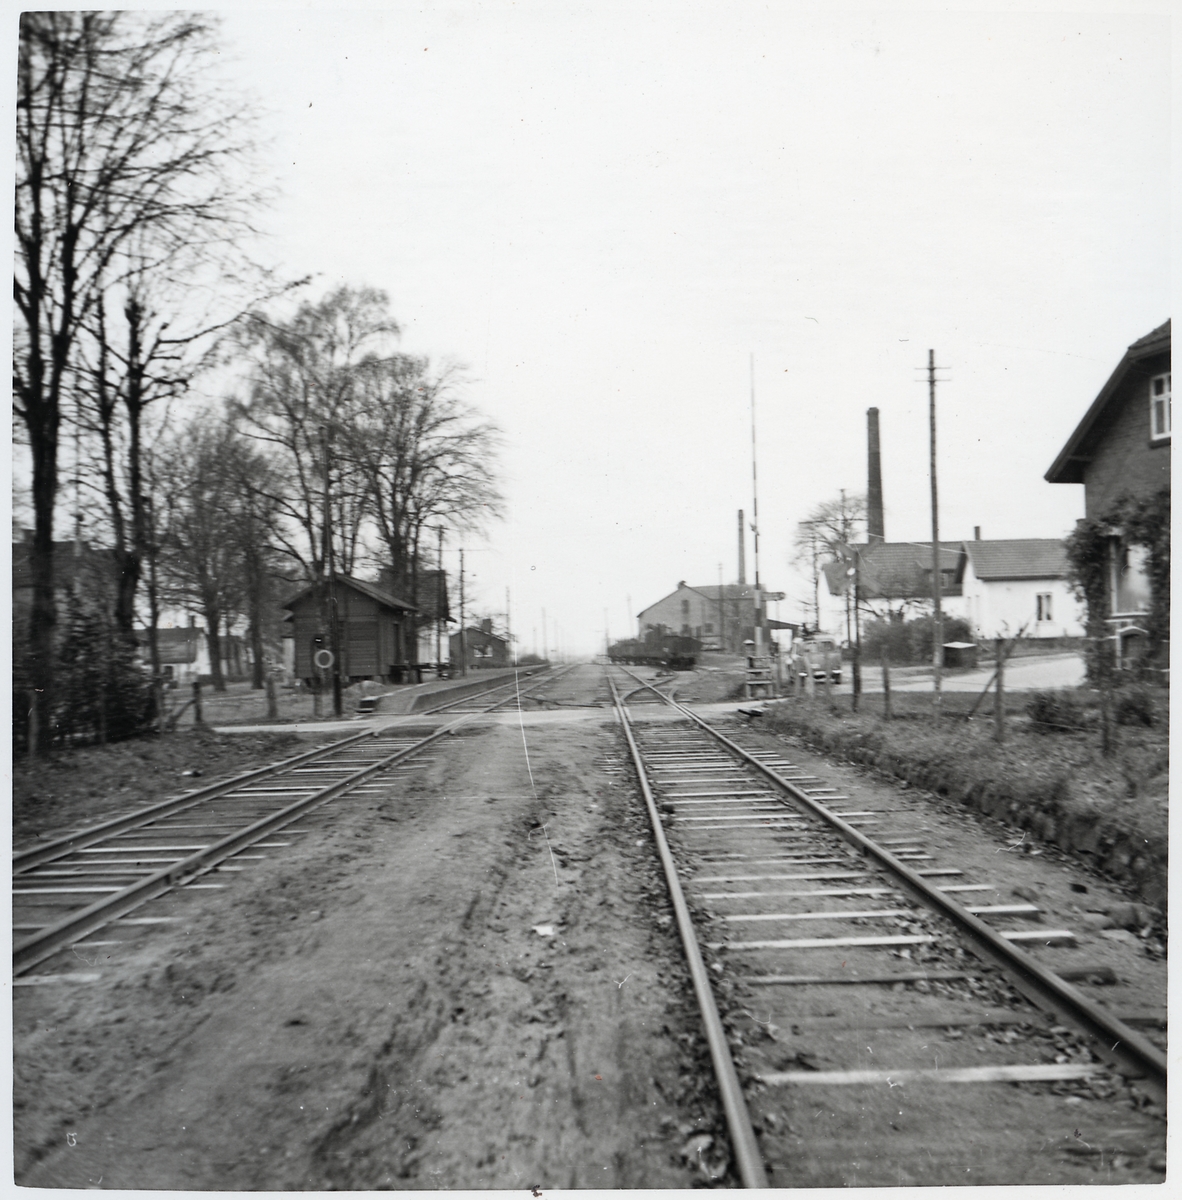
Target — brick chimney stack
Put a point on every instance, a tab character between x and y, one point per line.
875	527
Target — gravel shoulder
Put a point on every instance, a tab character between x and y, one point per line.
461	984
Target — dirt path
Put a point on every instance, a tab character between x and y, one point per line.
375	1009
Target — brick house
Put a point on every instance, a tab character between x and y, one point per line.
720	617
480	646
1120	451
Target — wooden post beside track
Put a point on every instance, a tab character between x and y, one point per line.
999	706
886	685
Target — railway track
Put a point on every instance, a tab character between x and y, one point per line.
87	880
899	1025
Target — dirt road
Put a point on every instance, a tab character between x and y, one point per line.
461	984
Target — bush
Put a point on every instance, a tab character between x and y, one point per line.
909	642
1135	707
1051	712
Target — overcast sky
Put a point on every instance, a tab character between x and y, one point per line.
604	210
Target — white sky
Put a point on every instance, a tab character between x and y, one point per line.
604	209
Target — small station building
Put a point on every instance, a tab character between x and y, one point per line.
376	632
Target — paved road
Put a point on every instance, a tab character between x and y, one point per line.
1022	675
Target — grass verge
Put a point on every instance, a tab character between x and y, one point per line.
1112	813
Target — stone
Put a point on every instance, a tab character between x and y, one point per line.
1128	916
1096	921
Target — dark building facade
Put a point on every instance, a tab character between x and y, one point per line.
482	648
375	631
1120	452
1122	445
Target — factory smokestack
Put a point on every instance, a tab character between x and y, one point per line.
875	527
742	551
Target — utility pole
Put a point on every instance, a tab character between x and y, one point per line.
463	633
755	523
545	654
742	551
607	637
721	615
329	607
937	611
849	635
509	628
440	601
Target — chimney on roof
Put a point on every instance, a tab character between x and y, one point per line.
486	625
976	533
742	551
875	526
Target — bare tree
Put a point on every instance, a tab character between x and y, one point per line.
819	538
218	533
124	146
302	377
427	458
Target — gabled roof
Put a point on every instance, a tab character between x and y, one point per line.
1076	454
476	631
895	570
358	585
730	591
71	563
1018	558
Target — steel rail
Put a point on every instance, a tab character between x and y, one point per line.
48	940
515	681
25	860
1122	1046
743	1141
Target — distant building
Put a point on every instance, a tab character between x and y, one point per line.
896	578
433	615
375	632
1120	451
78	568
184	652
721	618
483	648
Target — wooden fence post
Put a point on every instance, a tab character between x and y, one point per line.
886	685
272	699
999	706
197	718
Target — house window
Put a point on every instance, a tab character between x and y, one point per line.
708	628
1044	606
1159	406
1131	590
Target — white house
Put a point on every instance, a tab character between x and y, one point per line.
996	586
1010	583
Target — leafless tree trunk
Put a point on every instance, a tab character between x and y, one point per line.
119	138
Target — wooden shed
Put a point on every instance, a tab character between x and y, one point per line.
375	631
